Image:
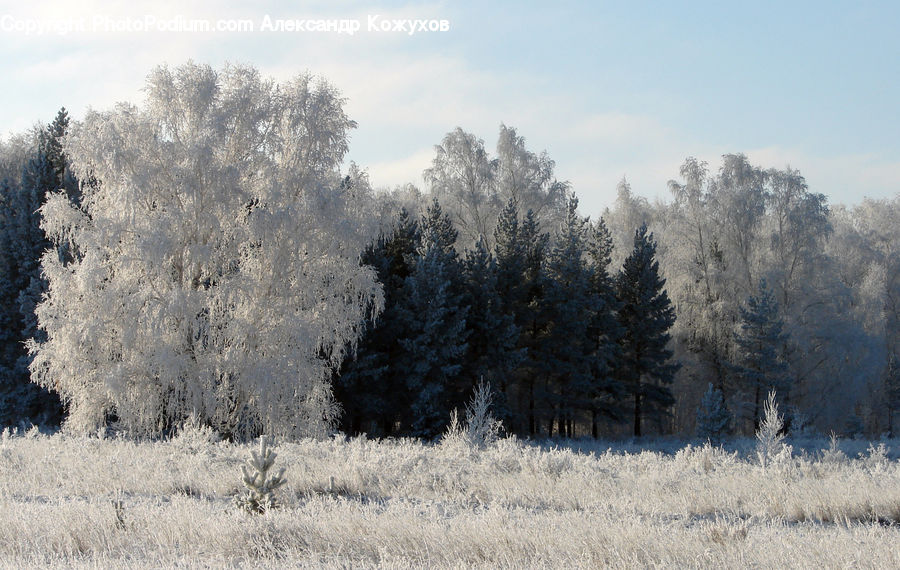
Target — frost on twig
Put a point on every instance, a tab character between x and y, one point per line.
259	496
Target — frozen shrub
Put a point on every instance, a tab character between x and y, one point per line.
704	458
259	496
833	455
481	428
195	435
877	458
770	441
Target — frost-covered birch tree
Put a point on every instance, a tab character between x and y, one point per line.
216	269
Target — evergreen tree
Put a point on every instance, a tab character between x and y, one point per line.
645	315
407	371
492	333
759	367
433	345
9	334
569	305
510	255
368	388
519	251
532	316
22	284
605	392
439	227
713	417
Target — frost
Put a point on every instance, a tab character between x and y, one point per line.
218	268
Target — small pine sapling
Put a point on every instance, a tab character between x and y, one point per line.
713	417
259	496
770	440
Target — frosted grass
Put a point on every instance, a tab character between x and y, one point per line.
404	504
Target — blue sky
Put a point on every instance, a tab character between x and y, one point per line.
609	89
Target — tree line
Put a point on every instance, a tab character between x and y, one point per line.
568	346
204	257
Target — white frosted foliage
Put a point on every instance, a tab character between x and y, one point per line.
217	271
770	440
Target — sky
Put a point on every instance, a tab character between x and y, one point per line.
610	90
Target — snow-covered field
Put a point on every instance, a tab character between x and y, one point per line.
89	502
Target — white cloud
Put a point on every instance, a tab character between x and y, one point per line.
611	129
401	171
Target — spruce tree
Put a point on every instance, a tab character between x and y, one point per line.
645	315
532	317
510	255
759	367
9	334
440	228
407	371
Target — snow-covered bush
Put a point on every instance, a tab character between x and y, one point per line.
833	455
770	440
194	435
876	457
481	429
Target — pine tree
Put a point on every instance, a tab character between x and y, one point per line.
510	254
9	337
407	369
713	417
369	389
519	251
432	319
440	228
532	316
568	304
492	334
645	315
769	433
259	496
605	392
22	284
759	367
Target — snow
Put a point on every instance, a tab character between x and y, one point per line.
404	504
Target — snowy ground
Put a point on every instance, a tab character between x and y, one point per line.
402	504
